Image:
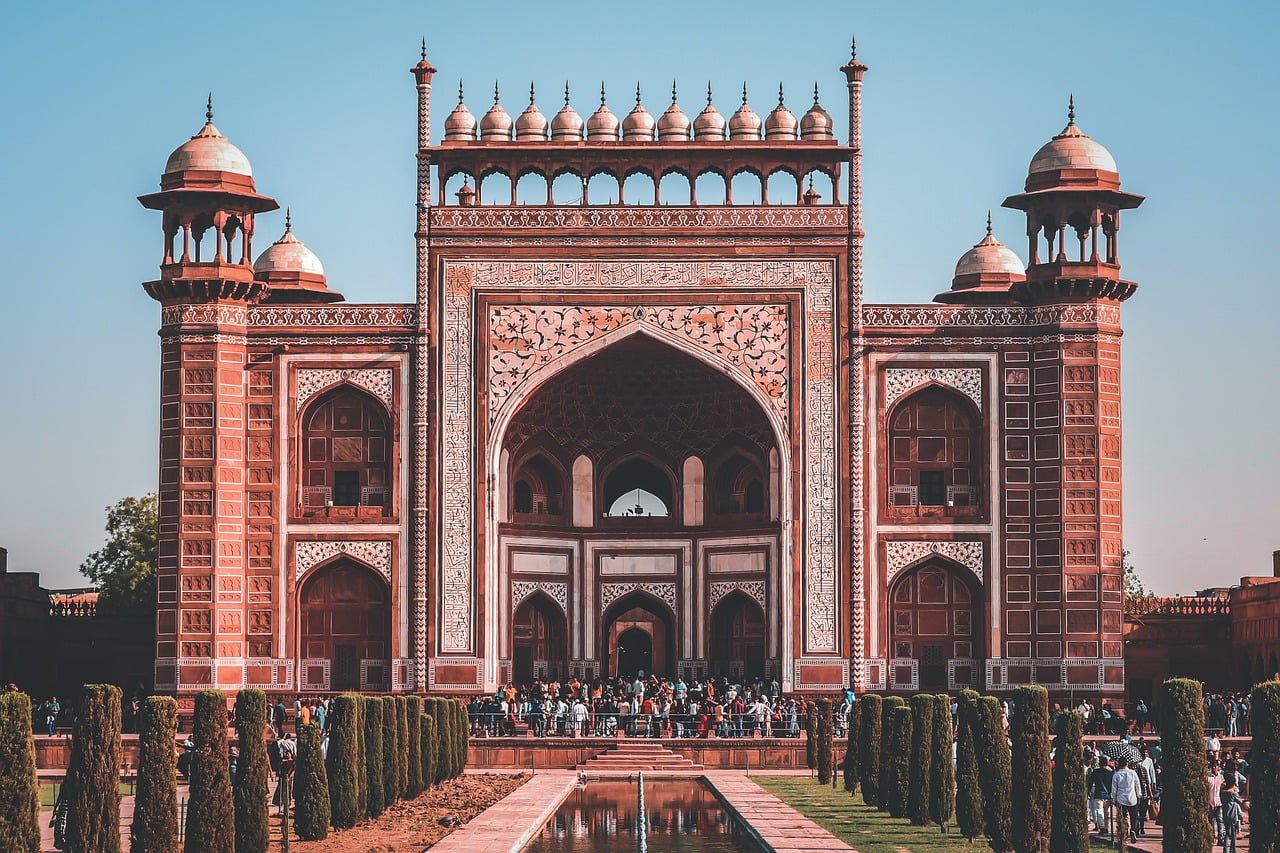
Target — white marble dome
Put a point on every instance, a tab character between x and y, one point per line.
288	254
988	256
208	151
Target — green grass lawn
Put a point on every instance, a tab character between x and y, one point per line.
861	826
48	793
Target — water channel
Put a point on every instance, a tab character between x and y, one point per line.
681	815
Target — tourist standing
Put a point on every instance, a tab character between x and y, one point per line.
1125	790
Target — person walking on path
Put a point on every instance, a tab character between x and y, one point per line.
1125	788
1215	801
1232	812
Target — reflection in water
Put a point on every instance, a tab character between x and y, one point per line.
683	816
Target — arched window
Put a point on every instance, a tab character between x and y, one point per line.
637	488
538	489
934	453
936	618
738	487
346	449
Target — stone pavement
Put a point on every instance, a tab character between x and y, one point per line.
777	826
1153	840
508	824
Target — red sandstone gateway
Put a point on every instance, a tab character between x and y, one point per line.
637	417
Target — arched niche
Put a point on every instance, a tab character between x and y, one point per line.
345	455
934	454
539	640
638	630
737	637
936	617
344	618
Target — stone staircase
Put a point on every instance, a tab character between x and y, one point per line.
630	756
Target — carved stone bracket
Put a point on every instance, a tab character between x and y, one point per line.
376	555
377	381
900	554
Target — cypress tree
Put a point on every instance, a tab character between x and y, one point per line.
869	738
1070	832
891	703
969	808
942	784
1264	768
824	741
311	820
19	791
376	802
402	746
993	769
463	730
444	741
252	828
811	735
430	751
155	812
93	777
852	727
343	762
920	768
1032	780
390	748
1185	796
362	757
211	816
414	704
900	760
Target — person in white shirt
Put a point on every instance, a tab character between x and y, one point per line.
1125	788
1214	783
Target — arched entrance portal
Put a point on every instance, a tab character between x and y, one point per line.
640	636
936	619
539	648
346	621
738	637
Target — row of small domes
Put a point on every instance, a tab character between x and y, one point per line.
639	125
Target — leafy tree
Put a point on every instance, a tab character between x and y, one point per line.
373	750
343	759
969	808
311	821
390	751
851	728
891	703
19	792
869	738
1032	782
811	735
994	771
93	777
124	570
414	704
253	828
899	760
211	817
430	750
1070	832
920	768
942	782
824	740
155	812
1264	768
1184	799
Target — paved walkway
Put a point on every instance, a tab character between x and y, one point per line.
1152	842
507	825
777	826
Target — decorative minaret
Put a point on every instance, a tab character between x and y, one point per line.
853	71
422	72
206	285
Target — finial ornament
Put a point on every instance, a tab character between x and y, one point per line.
495	91
853	48
1071	108
744	93
602	93
566	93
708	93
530	93
815	94
988	223
288	220
673	93
208	109
637	93
459	90
780	94
424	48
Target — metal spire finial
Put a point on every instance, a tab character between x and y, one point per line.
208	110
530	93
815	94
988	223
811	182
744	93
424	48
637	93
780	103
566	93
673	93
495	91
1071	108
853	48
602	93
708	93
459	90
288	220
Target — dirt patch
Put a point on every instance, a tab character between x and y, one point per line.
413	826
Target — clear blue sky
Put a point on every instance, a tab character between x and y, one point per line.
959	96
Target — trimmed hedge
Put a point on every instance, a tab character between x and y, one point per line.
311	790
211	816
920	768
994	770
19	791
969	809
899	760
852	727
886	770
414	705
376	801
155	812
402	746
390	750
1264	768
824	741
252	828
343	761
463	733
444	740
362	761
811	735
430	750
1032	780
1185	795
869	738
93	777
1070	833
942	780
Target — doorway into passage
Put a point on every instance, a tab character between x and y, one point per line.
738	637
538	640
640	637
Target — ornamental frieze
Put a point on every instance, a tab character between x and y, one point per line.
900	381
719	589
378	381
898	555
374	554
290	316
940	316
557	590
628	219
611	592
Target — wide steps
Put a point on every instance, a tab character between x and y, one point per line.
631	756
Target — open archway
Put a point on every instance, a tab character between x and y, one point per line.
738	637
539	646
345	619
936	619
640	635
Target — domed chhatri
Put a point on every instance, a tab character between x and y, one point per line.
710	125
208	151
531	125
495	125
567	125
985	273
674	125
781	123
639	125
603	124
744	124
816	123
1071	157
460	125
292	271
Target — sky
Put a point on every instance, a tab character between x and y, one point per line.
958	98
